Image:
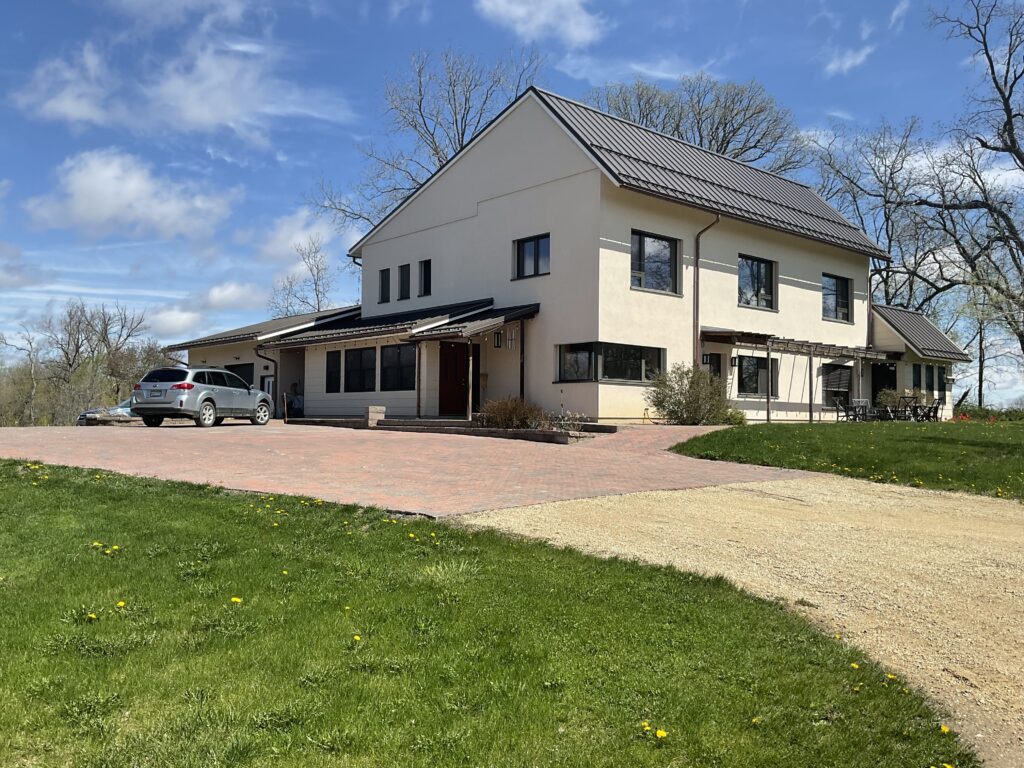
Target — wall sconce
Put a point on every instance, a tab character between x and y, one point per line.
705	359
237	357
511	344
497	340
733	361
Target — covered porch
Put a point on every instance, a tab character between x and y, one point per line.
439	364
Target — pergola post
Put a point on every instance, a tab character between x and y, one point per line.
768	389
469	380
810	388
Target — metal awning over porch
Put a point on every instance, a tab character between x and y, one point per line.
486	321
794	346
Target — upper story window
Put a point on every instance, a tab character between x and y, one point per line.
756	282
404	281
835	297
384	286
361	369
425	270
533	256
653	263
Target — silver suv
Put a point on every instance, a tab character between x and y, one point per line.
205	395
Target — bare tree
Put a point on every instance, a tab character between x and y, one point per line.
740	120
308	290
27	345
433	112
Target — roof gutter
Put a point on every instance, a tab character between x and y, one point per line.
696	290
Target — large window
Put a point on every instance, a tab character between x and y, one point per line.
835	384
753	375
404	281
917	375
533	256
929	379
835	297
425	276
384	286
756	282
361	369
608	362
333	372
653	263
942	384
397	367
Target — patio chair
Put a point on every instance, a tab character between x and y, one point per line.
905	407
844	412
862	409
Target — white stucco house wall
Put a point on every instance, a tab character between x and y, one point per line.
566	256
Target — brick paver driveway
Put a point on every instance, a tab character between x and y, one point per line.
435	475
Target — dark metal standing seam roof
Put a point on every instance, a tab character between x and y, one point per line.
647	161
921	333
254	331
480	322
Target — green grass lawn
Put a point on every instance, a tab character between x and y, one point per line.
147	623
956	456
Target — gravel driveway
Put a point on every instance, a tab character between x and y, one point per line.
929	583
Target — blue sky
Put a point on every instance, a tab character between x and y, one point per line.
159	153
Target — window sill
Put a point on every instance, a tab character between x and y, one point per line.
403	298
422	295
837	320
528	277
673	294
626	382
741	305
748	396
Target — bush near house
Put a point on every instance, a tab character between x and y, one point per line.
148	623
685	395
513	413
970	456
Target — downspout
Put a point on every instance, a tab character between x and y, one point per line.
696	290
277	381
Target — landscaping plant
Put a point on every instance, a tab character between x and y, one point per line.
685	395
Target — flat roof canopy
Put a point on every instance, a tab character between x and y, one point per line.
796	346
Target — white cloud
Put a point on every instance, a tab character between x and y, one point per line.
173	321
215	82
278	244
866	28
839	114
232	295
534	20
842	61
898	14
397	7
15	272
76	90
598	71
108	191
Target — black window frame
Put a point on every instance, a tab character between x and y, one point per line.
916	376
361	377
384	285
714	363
773	296
398	375
832	371
638	274
599	353
840	281
519	267
332	372
761	365
929	379
940	382
425	276
404	281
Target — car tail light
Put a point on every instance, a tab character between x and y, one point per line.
183	385
137	386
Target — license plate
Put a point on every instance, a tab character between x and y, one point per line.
156	393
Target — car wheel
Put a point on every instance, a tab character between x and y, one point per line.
218	421
261	415
152	421
207	415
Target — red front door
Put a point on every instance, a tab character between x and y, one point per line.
453	386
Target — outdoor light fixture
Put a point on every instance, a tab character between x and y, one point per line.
733	361
497	339
705	359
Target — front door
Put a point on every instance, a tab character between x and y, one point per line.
453	384
883	376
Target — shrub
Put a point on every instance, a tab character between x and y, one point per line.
513	413
887	398
684	395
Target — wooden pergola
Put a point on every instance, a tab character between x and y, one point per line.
812	349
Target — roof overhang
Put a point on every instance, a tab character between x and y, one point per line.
218	341
481	322
960	357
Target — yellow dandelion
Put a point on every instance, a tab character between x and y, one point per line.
236	600
92	617
348	607
275	525
854	665
756	720
890	676
412	535
121	603
645	725
115	548
284	573
660	733
97	543
357	638
944	728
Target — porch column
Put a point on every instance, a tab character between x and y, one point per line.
768	388
522	360
469	380
810	388
419	380
859	374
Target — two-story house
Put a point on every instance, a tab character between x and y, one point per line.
567	256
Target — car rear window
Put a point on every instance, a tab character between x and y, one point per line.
166	375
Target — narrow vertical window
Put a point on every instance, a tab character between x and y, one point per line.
425	277
404	281
942	385
835	297
653	263
929	379
333	372
756	282
384	295
917	375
